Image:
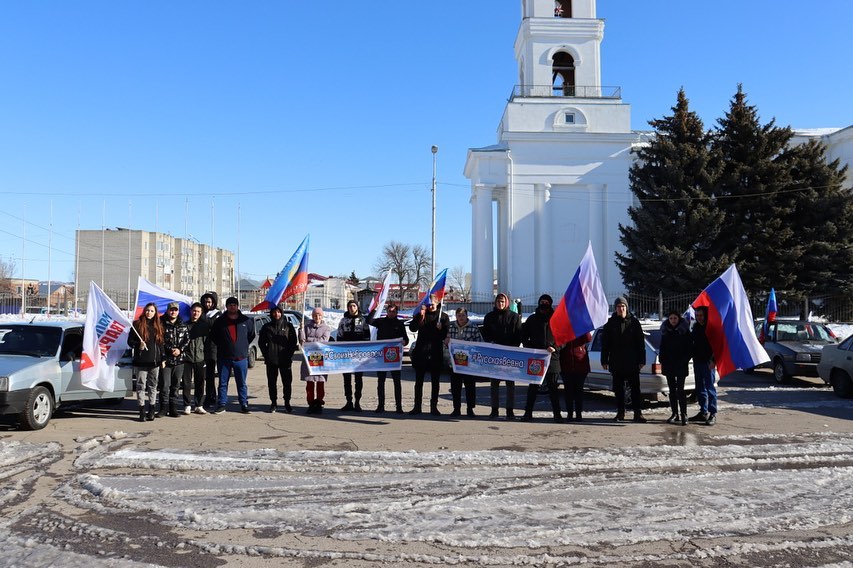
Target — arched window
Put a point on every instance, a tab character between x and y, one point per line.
563	9
563	77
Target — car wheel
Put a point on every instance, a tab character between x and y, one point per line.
39	409
253	357
779	374
841	384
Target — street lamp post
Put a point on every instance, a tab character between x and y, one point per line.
432	252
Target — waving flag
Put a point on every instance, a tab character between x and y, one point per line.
104	341
146	292
437	288
292	280
583	307
729	327
378	302
769	315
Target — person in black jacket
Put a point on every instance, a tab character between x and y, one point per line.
431	326
175	340
536	334
389	327
353	327
146	340
676	346
232	333
194	367
209	301
502	326
623	353
277	341
704	370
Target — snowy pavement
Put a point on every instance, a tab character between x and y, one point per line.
771	485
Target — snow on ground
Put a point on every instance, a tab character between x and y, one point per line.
488	499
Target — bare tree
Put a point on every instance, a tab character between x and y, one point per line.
409	264
421	267
7	271
459	280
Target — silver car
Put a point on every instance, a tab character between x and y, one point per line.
836	367
652	382
40	369
795	347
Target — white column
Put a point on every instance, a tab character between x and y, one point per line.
482	241
544	243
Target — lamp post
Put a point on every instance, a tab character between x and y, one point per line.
432	252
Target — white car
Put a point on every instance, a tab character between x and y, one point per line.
40	369
652	382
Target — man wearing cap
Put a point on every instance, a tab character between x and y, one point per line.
278	344
623	353
175	340
232	333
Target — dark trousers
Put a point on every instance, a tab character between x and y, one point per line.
677	396
273	372
359	386
496	395
380	388
457	380
170	379
573	387
197	373
210	386
550	381
633	380
435	379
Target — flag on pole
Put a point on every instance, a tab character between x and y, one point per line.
378	302
437	288
146	293
729	327
104	341
292	280
583	307
769	315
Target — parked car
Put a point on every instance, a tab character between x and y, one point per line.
652	381
40	370
836	367
794	347
254	350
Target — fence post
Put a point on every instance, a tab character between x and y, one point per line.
806	308
660	305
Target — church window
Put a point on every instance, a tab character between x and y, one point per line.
563	77
570	118
563	9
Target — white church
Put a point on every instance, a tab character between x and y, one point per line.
557	178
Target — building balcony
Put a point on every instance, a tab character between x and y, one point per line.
566	91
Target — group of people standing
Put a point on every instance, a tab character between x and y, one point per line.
172	355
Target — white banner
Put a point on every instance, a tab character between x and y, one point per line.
104	341
494	361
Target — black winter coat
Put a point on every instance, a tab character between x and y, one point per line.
536	334
353	328
623	345
199	330
429	348
145	358
226	348
390	328
175	336
676	348
702	352
277	341
502	327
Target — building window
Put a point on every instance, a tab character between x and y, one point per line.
570	118
563	9
563	76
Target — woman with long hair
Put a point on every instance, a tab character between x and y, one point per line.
146	340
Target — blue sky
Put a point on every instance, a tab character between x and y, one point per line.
318	118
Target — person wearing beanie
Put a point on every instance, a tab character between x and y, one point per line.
277	341
432	326
536	334
502	326
353	327
623	353
676	347
315	330
210	313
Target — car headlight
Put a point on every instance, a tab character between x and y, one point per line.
4	384
804	357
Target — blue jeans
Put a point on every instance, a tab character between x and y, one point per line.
240	370
706	390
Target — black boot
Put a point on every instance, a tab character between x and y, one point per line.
150	415
173	410
433	409
142	413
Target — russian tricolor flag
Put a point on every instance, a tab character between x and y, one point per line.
146	293
730	328
584	306
769	315
292	280
436	288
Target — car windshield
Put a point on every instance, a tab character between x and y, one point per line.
802	332
37	341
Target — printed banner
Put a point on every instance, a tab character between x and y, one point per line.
353	356
493	361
